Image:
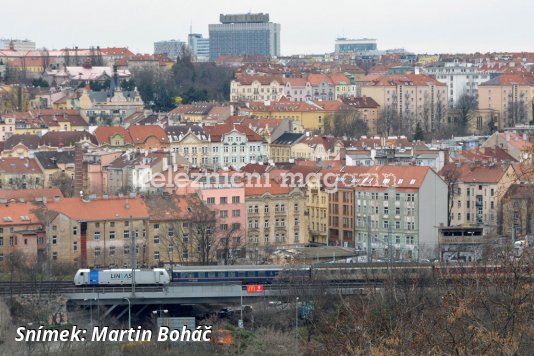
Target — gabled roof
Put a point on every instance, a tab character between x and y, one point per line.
66	138
18	214
104	134
217	131
30	141
176	133
316	79
475	172
140	133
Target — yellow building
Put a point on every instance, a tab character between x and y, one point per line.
275	216
317	208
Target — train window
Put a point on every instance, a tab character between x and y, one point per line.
261	273
231	274
211	274
241	274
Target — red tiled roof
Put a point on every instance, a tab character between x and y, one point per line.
339	79
16	214
140	133
476	173
316	79
271	186
17	165
100	209
104	134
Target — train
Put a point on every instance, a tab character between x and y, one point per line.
117	277
268	274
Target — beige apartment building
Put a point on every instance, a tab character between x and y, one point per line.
478	192
275	215
511	96
414	97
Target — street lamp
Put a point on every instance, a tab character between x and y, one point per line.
296	317
129	313
160	311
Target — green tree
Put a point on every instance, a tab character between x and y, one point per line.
464	105
419	134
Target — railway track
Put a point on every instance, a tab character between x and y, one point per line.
64	287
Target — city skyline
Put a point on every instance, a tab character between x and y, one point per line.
422	28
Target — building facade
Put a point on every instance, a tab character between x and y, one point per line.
172	48
244	34
199	47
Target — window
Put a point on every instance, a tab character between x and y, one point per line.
156	226
97	251
75	230
156	239
386	210
112	224
397	211
266	209
126	250
211	201
96	236
235	200
266	223
224	227
112	251
397	225
386	196
397	239
224	213
156	255
236	213
126	234
236	226
223	200
54	255
386	224
409	240
112	235
75	246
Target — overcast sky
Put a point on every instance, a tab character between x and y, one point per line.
307	26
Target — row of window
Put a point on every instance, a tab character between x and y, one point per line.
278	208
224	200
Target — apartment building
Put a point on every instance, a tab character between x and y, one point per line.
394	209
236	145
275	215
254	88
478	190
414	97
511	96
192	143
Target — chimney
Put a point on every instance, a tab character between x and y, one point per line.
78	167
127	204
507	135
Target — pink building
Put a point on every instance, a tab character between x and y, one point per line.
222	191
97	177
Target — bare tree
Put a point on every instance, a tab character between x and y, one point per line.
451	175
63	182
